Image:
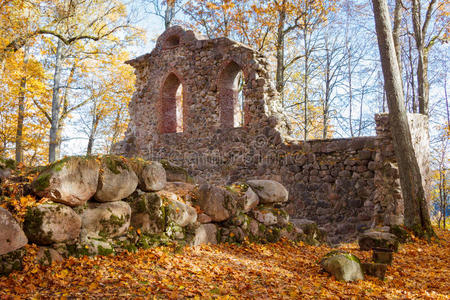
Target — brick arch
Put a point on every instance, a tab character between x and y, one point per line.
227	94
172	104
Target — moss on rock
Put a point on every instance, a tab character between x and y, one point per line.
115	163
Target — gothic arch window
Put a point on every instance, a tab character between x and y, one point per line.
231	97
171	119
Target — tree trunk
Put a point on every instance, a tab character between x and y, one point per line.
396	32
169	13
280	54
413	86
21	110
55	104
422	80
116	130
59	139
416	209
422	52
20	119
349	71
305	83
93	131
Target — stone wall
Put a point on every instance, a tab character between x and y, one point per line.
346	185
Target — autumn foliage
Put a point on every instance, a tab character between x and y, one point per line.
283	270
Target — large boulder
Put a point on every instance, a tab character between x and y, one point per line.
51	223
343	266
107	220
177	212
146	212
247	198
250	200
176	173
151	174
216	202
269	191
12	236
205	234
71	181
117	180
377	239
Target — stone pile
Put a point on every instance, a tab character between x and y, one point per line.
98	206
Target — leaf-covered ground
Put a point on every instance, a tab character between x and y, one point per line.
280	271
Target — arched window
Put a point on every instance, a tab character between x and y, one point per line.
231	96
172	41
171	119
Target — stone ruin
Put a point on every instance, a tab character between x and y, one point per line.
188	109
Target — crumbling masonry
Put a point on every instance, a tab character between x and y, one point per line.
187	109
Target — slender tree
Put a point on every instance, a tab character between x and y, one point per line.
21	110
416	214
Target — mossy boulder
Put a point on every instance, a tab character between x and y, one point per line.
218	203
12	236
343	266
51	223
71	181
94	245
177	212
176	173
147	213
106	220
247	198
269	191
117	179
151	174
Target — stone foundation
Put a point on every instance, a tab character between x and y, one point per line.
345	185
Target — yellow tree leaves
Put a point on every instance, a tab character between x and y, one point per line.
15	69
90	31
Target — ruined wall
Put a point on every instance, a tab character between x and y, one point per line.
346	185
388	196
